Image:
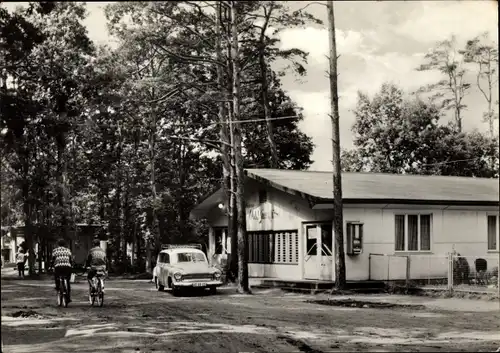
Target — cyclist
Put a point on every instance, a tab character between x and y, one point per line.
62	262
96	260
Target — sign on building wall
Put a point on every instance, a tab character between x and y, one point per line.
260	213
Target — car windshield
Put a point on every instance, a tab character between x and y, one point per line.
190	257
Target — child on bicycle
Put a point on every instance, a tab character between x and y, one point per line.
96	262
62	262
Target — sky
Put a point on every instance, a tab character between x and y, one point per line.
378	41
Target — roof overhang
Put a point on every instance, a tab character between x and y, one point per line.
394	203
312	200
318	203
206	205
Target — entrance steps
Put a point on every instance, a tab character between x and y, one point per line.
316	286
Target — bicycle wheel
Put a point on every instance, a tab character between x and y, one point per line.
64	293
100	294
91	296
60	294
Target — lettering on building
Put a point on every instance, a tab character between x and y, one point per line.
257	214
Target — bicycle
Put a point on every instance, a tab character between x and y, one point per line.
62	294
98	292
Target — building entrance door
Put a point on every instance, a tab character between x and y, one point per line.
318	257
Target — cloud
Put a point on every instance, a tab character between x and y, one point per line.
317	124
437	20
389	67
361	68
315	41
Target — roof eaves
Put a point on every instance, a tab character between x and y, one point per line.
312	200
208	194
415	202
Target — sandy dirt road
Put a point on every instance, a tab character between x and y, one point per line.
137	318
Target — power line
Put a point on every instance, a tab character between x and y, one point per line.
227	122
255	120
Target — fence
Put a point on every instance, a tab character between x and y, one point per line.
447	272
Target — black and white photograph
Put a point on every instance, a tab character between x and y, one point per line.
249	176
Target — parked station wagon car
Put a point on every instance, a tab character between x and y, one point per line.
185	267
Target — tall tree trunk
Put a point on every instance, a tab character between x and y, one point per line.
62	178
122	200
40	253
491	113
117	215
233	210
225	137
265	93
28	237
28	227
124	222
340	276
154	243
267	113
233	224
243	286
182	184
134	246
149	258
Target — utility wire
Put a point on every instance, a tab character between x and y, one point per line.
224	122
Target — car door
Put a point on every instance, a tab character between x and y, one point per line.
156	270
165	264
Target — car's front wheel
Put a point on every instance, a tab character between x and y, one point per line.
159	286
176	291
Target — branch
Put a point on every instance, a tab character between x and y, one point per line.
190	58
478	84
138	71
211	143
189	28
311	3
209	109
166	96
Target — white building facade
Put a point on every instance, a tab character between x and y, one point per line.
290	228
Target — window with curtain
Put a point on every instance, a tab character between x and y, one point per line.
492	232
400	232
413	232
425	232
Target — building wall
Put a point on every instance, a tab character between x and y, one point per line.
12	247
462	230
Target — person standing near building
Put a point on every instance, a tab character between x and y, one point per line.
20	260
